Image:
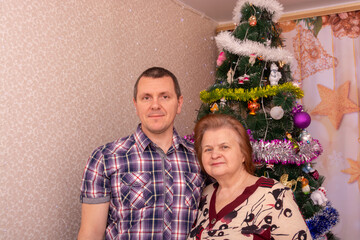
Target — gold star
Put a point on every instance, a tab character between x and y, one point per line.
354	171
335	103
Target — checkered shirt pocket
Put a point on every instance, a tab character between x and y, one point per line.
194	183
137	189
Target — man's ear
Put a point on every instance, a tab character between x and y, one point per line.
180	103
135	104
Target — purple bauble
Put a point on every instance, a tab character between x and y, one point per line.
302	120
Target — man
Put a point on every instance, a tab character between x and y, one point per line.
146	185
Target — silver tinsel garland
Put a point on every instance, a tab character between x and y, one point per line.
282	151
225	40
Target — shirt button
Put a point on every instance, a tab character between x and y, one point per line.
213	221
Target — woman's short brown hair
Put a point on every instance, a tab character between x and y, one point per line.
216	121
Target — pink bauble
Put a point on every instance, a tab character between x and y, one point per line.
302	120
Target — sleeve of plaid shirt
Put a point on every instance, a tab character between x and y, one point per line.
95	187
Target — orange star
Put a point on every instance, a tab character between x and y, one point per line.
354	171
335	103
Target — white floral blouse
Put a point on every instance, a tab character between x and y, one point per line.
265	210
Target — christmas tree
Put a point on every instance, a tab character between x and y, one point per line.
254	84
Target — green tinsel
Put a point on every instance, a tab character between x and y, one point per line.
241	94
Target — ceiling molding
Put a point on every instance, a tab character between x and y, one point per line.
320	12
302	14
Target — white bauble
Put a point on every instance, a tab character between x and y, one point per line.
277	112
305	136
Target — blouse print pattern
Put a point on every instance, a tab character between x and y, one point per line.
265	210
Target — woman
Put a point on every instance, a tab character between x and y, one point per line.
240	205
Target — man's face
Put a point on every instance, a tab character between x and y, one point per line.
157	105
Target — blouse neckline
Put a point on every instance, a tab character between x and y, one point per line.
214	217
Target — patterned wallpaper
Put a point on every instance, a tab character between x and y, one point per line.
67	74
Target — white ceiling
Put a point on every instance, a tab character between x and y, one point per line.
221	10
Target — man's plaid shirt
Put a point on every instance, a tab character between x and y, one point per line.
152	195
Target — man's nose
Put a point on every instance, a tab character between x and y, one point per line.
155	103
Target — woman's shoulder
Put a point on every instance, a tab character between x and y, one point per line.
270	185
265	182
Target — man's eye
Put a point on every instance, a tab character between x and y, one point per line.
146	98
165	96
225	147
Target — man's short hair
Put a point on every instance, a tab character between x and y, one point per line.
158	72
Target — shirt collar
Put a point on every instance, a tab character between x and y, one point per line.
143	141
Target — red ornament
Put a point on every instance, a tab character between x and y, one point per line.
253	106
252	21
315	174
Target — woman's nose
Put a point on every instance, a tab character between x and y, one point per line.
215	154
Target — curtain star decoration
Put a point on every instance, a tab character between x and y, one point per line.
335	103
354	171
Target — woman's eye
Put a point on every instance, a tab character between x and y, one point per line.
225	147
207	150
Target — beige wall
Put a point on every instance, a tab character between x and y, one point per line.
67	73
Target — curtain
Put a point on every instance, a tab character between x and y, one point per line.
326	65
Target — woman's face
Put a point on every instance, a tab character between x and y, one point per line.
221	154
